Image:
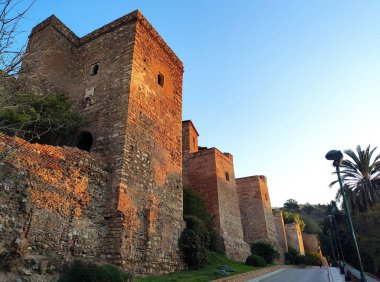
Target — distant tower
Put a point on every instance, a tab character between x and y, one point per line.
256	211
210	173
280	229
128	83
294	237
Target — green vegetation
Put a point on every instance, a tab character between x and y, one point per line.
43	118
266	251
89	272
206	273
194	241
292	205
290	256
199	236
255	260
194	206
359	174
290	217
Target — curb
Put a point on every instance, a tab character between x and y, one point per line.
330	276
270	274
256	274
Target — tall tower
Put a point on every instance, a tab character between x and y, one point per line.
294	237
210	173
256	210
128	83
280	229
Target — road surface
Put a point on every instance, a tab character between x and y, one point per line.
299	275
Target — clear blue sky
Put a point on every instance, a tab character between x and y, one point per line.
276	83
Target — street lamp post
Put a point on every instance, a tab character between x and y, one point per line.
335	226
336	243
337	157
332	248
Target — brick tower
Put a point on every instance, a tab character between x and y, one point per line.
294	237
280	229
256	210
210	173
128	83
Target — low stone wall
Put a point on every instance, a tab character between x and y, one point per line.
51	205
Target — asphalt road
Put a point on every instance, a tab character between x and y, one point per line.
299	275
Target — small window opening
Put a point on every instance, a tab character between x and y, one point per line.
227	176
94	69
193	140
85	141
160	79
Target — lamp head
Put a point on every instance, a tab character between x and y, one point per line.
335	155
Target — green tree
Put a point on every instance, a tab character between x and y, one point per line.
291	205
44	117
290	217
359	174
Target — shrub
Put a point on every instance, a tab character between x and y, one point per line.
255	260
290	256
300	259
193	205
43	118
89	272
266	251
193	243
313	259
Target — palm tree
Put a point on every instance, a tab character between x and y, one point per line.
359	175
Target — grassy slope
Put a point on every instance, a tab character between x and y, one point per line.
203	274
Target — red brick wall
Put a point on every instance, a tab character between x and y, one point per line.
256	211
207	175
52	201
189	145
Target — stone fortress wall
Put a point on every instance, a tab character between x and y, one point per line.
128	84
210	173
280	229
294	237
123	202
52	202
311	243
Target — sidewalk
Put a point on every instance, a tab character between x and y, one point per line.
334	275
357	273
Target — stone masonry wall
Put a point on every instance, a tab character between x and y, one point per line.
294	237
280	229
52	203
211	174
151	177
311	243
255	207
135	124
189	145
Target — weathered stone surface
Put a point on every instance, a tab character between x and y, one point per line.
210	173
294	237
256	211
52	202
311	243
133	121
280	229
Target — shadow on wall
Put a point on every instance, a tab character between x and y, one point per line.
84	141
